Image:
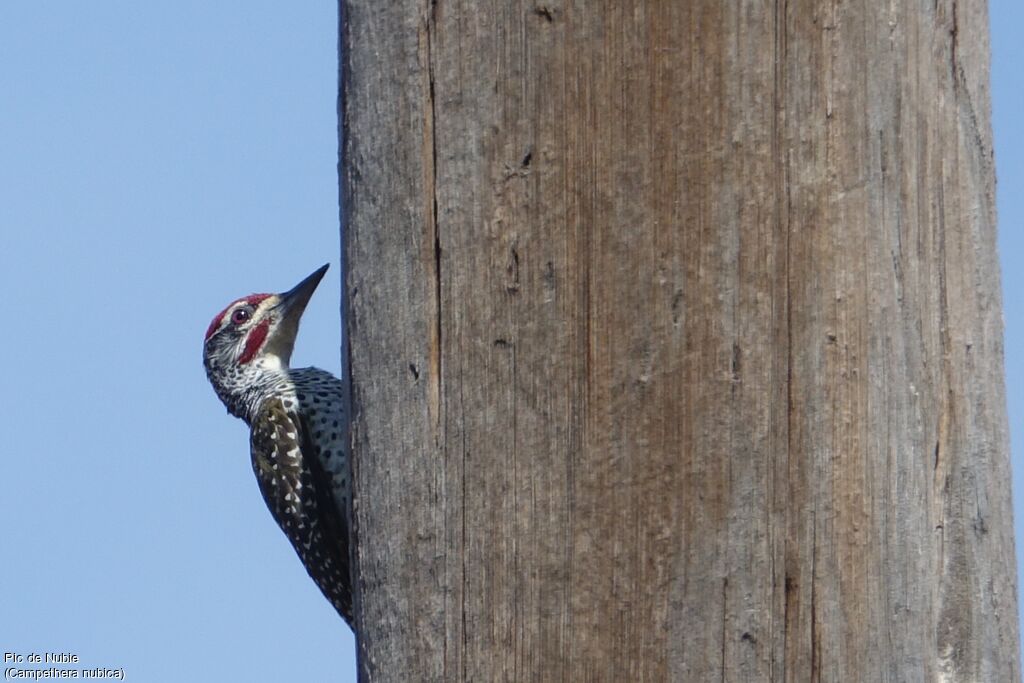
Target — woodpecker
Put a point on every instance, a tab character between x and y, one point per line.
298	429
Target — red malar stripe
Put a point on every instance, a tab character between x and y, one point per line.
254	342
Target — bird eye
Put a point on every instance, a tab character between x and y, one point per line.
240	315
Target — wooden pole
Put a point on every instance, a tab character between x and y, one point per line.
676	342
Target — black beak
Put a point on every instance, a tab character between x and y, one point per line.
293	302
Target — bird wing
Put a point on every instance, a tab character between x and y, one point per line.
298	493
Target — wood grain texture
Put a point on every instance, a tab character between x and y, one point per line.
675	342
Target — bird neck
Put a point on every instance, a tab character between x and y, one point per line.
243	390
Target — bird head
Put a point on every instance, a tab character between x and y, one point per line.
251	342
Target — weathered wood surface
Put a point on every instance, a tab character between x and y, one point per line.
676	342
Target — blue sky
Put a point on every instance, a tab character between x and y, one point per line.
156	161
